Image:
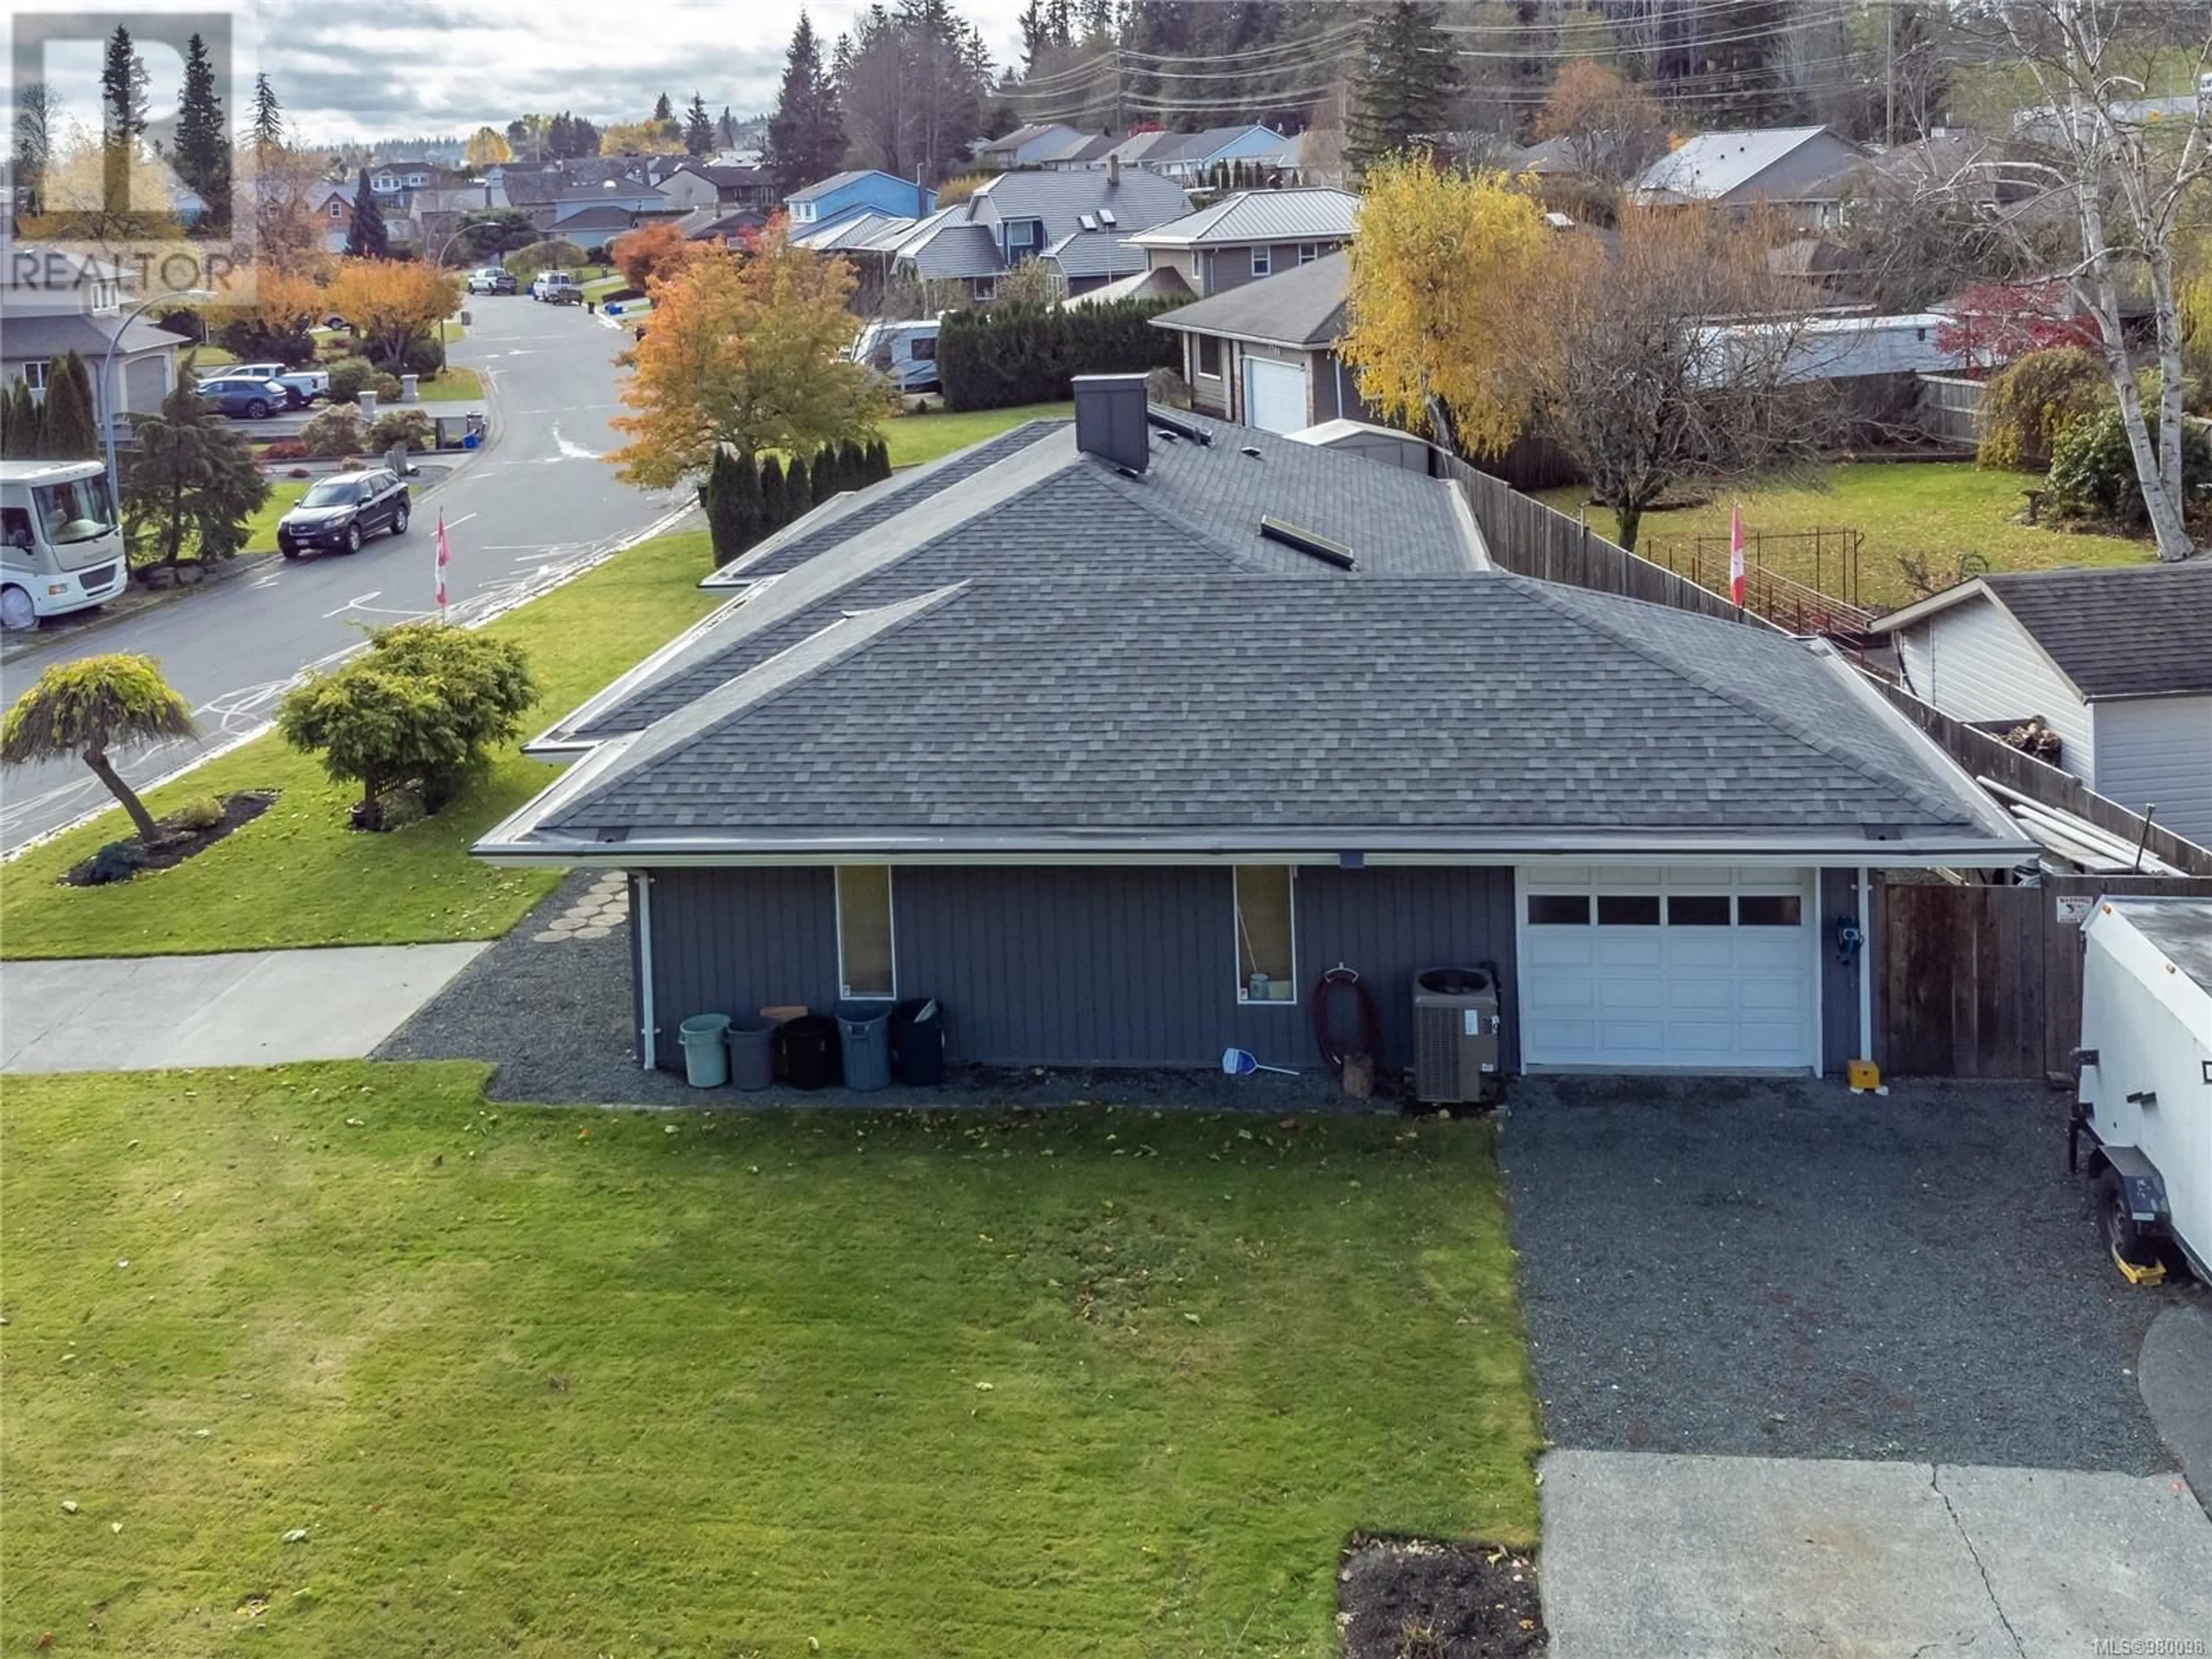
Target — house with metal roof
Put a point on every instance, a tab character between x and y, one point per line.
2115	662
54	300
1079	222
1264	354
1799	170
1191	156
857	191
1115	738
1251	234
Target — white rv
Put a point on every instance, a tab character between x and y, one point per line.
61	543
2144	1103
905	353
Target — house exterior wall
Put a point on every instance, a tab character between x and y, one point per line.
1974	663
1224	268
2157	749
1238	351
1077	965
1812	162
1209	393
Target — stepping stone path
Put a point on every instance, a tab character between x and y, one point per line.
604	908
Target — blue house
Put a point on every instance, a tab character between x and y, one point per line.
841	195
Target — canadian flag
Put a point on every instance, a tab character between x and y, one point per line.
444	558
1735	557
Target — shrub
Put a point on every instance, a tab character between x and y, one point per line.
331	433
422	706
410	427
1015	355
119	860
201	812
385	387
423	355
2025	408
1166	385
2093	470
348	376
285	449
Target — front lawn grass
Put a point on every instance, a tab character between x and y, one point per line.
548	1382
913	439
451	384
296	875
1932	510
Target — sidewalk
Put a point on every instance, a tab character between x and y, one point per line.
255	1008
1672	1557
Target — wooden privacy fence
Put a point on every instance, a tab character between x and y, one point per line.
1950	409
1986	982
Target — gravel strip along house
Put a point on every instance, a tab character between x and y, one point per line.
1116	738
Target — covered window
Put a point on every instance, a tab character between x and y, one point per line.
1558	909
1262	261
1769	911
1209	356
1697	909
864	930
1266	967
1628	909
1307	252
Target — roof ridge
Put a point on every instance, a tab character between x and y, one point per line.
1708	683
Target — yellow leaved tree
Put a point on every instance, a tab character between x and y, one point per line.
1447	279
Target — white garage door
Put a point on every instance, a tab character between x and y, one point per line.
1696	969
1274	396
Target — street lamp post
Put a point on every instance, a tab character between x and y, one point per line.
107	390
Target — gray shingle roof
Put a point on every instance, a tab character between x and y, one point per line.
1261	215
1458	707
954	250
53	335
2130	631
1096	253
1301	306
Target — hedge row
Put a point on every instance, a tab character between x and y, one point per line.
748	500
1015	355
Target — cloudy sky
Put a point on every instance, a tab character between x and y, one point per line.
392	68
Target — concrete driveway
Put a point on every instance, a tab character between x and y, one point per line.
1830	1373
253	1008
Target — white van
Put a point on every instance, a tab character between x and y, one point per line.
904	353
61	543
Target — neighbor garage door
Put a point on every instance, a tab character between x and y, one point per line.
1696	969
1274	396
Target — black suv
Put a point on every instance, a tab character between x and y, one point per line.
345	511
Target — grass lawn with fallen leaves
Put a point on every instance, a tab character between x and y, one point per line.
297	875
451	384
1930	510
913	439
547	1382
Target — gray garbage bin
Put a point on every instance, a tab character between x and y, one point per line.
752	1051
864	1034
706	1059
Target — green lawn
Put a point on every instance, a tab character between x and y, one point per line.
1933	511
297	875
261	528
454	384
558	1382
599	287
914	439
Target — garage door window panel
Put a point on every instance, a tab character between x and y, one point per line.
1558	909
1697	910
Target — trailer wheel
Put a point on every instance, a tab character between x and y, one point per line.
2124	1236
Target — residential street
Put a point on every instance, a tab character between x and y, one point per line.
539	505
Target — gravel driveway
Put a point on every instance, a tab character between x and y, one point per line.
1786	1269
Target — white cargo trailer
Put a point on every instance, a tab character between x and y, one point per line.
2144	1103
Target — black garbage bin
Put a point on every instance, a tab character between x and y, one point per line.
810	1051
918	1042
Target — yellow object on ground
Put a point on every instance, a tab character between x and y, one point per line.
1862	1074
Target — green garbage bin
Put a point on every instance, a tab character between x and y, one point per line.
705	1056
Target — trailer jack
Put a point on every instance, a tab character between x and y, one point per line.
2148	1272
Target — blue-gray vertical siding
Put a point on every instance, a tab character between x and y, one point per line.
1839	981
1080	965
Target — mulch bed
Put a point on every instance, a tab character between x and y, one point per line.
1417	1598
177	845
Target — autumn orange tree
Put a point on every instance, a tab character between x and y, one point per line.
1611	128
743	353
1447	282
649	252
393	302
267	312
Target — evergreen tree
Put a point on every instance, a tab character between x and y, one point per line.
662	110
23	436
698	128
69	430
879	460
268	126
725	129
1408	79
829	472
805	138
368	239
775	509
797	491
122	90
1743	62
191	480
203	147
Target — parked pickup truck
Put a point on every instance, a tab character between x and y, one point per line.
558	288
301	385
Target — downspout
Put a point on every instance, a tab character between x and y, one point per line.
645	1047
1866	967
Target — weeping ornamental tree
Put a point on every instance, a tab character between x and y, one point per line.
190	481
84	708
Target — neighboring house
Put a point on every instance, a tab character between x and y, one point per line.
868	242
54	300
560	196
694	184
1159	284
843	194
727	226
1190	156
330	206
2116	661
439	212
1251	234
1264	354
1078	221
1797	170
1116	775
1052	145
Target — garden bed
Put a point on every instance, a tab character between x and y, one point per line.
177	842
1416	1598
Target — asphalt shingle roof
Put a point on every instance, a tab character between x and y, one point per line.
1301	306
1051	703
2130	631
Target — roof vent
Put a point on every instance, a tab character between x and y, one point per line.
1313	546
1110	419
1253	450
1182	428
1086	222
1106	217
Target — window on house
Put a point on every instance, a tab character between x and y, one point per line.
1266	967
34	374
337	208
1307	252
864	930
1209	356
1558	909
986	288
1769	911
1262	261
1628	909
1697	910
